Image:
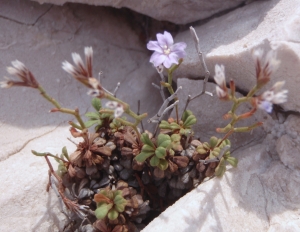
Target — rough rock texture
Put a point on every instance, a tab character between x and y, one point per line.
209	111
259	195
176	11
42	36
230	39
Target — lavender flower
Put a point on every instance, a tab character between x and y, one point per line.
165	51
273	96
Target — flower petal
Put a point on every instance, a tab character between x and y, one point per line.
154	46
171	59
265	105
220	75
157	58
165	39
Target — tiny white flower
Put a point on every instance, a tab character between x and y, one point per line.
88	51
220	92
18	65
5	84
77	59
220	75
69	68
117	107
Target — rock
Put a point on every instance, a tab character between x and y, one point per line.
209	112
229	40
288	145
176	11
42	37
259	190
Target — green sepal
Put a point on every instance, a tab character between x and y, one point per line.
160	152
113	214
154	161
92	115
65	153
190	120
146	140
221	168
163	164
163	140
102	210
233	161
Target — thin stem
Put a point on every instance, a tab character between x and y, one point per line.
59	108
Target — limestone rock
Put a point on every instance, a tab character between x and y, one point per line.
259	190
176	11
288	145
229	40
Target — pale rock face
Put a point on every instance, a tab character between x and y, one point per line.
230	39
259	195
176	11
42	37
288	146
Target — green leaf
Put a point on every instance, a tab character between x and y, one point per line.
213	141
160	152
174	126
233	161
163	164
175	137
220	170
163	140
185	132
146	148
113	214
164	125
120	203
146	140
154	161
191	120
102	210
96	103
143	156
92	122
185	115
92	115
65	153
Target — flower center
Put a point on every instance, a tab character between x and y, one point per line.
167	50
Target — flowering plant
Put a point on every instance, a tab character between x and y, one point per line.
120	173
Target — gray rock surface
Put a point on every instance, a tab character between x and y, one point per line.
176	11
229	40
42	37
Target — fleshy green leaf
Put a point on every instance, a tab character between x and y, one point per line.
102	210
146	148
233	161
113	214
185	132
213	141
92	122
160	152
185	115
220	170
143	156
164	125
96	103
146	140
163	164
174	126
120	203
65	153
92	115
191	120
154	161
163	140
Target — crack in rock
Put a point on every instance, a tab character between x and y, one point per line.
28	141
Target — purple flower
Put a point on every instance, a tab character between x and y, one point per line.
165	51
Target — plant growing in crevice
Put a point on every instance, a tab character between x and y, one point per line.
118	176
